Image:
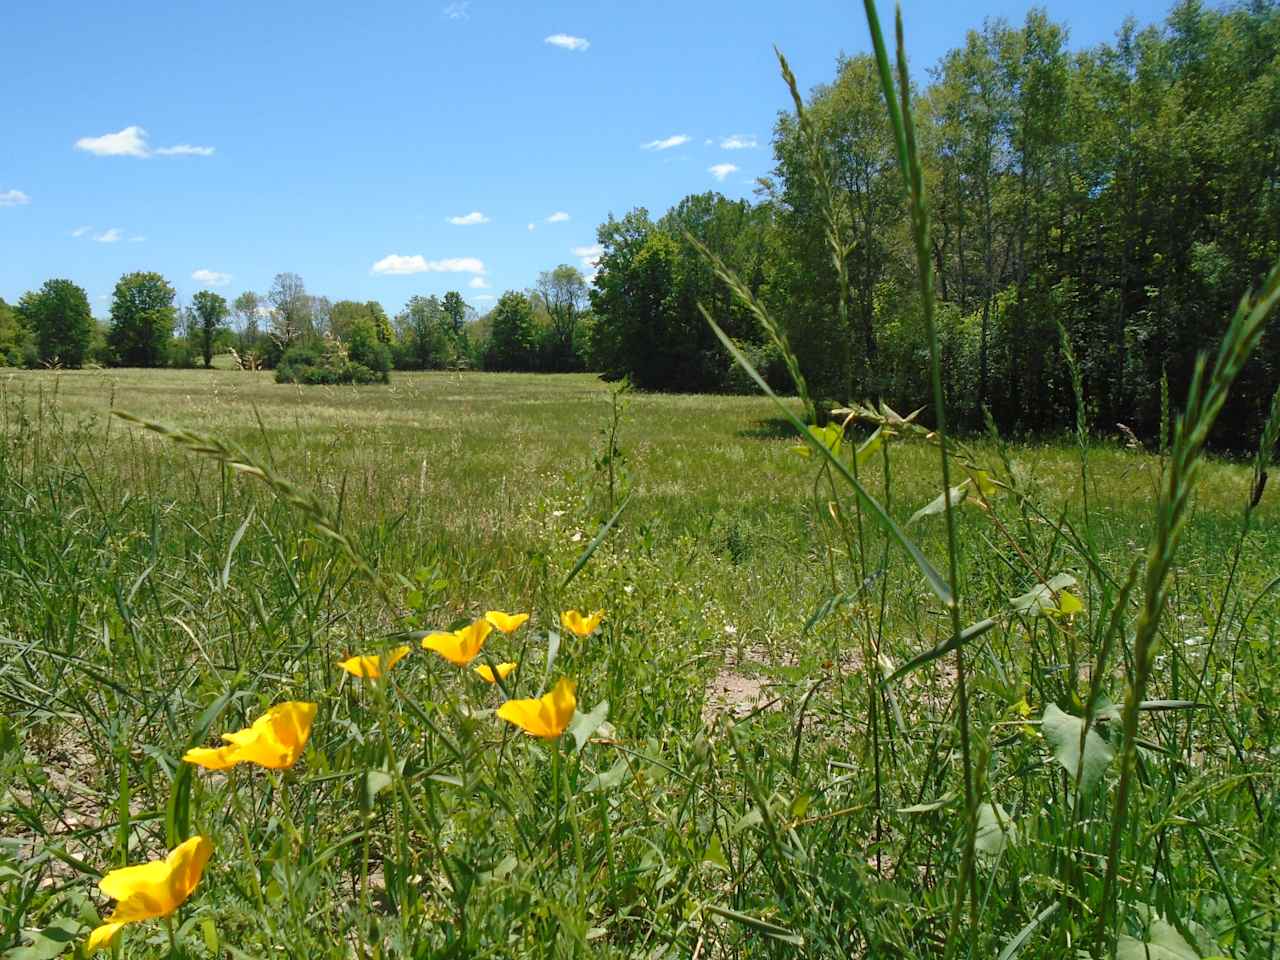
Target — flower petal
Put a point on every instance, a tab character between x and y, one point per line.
212	758
506	622
102	936
580	624
504	671
546	716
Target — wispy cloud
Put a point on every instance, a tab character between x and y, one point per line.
395	264
558	217
132	142
13	198
184	150
456	11
532	227
484	298
674	141
722	170
469	219
478	283
211	278
567	42
590	256
739	141
137	238
80	231
114	235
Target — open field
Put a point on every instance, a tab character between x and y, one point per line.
141	583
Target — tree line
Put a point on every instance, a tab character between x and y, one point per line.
1123	196
301	336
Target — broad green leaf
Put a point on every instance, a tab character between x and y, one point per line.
1062	732
1040	598
375	781
870	448
585	725
993	832
609	779
715	853
1165	943
53	941
751	818
958	493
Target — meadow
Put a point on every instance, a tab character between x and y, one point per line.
751	770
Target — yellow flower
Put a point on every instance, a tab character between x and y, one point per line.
372	667
575	622
151	890
460	646
506	622
545	716
275	740
504	671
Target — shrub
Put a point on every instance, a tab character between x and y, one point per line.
314	363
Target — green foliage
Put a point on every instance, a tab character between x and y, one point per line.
316	362
17	345
512	334
58	314
650	280
142	319
455	308
1050	173
427	340
211	314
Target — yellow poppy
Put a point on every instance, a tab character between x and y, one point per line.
275	740
372	667
506	622
583	626
504	671
545	716
151	890
460	646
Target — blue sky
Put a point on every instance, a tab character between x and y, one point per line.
222	143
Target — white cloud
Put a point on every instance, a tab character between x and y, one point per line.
13	198
129	142
739	141
114	235
722	170
395	264
211	278
185	150
80	231
532	228
137	238
467	220
132	142
484	298
558	217
456	11
566	42
667	144
590	256
478	283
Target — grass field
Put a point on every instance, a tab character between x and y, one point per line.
755	790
